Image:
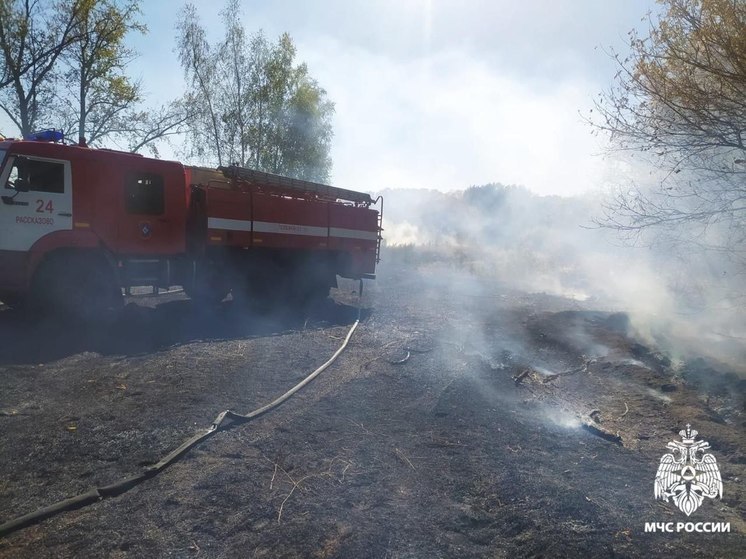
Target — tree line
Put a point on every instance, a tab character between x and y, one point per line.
64	64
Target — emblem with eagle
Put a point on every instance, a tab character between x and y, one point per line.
688	474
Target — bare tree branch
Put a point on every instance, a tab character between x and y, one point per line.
679	100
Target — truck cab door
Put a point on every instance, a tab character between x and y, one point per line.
153	216
37	200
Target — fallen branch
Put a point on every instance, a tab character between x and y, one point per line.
419	350
400	361
603	433
582	369
362	427
296	484
402	457
274	474
626	410
344	472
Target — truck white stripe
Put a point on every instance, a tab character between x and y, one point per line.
289	229
353	234
228	224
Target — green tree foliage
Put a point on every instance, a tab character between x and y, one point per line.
64	65
251	103
95	64
680	97
103	103
33	36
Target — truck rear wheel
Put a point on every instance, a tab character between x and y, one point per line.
208	285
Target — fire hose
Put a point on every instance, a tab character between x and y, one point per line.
222	421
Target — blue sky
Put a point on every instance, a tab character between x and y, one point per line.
438	93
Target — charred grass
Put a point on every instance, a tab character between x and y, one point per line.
421	441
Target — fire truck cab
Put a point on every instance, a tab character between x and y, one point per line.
78	225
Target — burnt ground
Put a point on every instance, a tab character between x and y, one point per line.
464	420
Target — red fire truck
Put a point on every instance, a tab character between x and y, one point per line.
79	225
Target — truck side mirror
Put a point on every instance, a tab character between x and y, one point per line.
22	185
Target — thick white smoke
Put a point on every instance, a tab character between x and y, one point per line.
686	301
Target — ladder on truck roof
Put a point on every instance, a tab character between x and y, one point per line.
267	179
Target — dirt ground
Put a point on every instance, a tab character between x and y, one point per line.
464	420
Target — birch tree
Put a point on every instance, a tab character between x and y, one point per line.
252	104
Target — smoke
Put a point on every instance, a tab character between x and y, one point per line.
683	299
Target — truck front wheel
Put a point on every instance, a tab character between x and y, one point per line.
77	286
